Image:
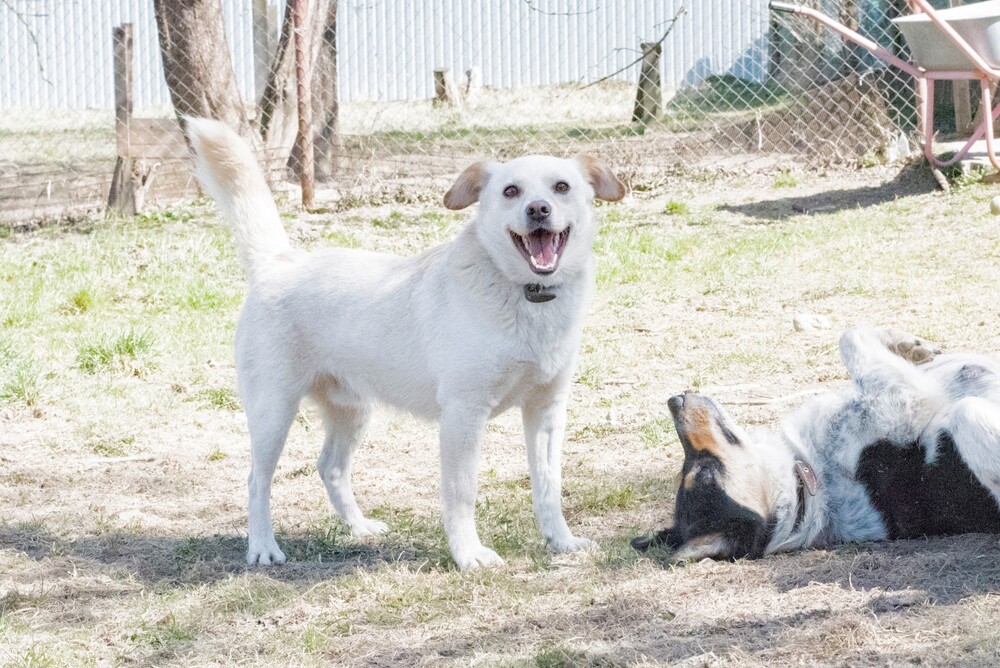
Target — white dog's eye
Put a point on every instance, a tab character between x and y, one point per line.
511	191
561	187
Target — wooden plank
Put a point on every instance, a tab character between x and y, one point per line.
960	96
155	139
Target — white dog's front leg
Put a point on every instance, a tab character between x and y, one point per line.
544	418
461	439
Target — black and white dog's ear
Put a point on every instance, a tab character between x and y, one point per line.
670	537
710	546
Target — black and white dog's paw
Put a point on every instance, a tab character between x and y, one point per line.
911	348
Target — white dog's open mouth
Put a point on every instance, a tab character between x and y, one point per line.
541	248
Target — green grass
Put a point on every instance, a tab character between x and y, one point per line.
165	634
219	398
36	657
20	377
723	94
81	301
658	432
785	179
564	657
250	596
119	448
603	498
126	352
203	295
341	239
673	207
393	221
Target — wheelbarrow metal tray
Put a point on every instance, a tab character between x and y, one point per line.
978	24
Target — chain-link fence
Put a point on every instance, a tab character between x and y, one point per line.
404	94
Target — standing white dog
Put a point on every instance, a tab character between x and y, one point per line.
461	332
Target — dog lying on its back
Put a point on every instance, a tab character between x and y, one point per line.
459	333
907	451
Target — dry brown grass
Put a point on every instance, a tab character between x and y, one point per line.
122	487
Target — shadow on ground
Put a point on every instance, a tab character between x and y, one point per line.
914	179
949	568
163	560
902	580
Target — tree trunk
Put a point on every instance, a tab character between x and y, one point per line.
276	113
326	108
196	63
851	53
277	106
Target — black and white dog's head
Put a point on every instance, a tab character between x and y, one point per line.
735	490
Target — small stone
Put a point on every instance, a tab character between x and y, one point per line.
995	205
893	601
808	322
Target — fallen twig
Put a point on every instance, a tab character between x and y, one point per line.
120	460
776	400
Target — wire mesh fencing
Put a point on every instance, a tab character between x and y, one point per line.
404	95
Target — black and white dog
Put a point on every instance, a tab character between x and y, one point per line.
911	449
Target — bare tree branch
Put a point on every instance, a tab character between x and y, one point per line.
23	20
531	6
673	22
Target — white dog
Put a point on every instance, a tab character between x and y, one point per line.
461	332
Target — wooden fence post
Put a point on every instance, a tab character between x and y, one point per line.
649	96
132	177
446	89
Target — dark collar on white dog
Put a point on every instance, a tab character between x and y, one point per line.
537	293
805	481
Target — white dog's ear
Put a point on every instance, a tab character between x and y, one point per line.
605	184
465	191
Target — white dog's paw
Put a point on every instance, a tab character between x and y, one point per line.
265	553
367	527
571	543
477	558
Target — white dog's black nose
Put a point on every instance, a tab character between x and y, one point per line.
538	210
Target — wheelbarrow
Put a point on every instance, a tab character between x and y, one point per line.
961	43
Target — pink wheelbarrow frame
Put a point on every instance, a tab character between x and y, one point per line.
925	79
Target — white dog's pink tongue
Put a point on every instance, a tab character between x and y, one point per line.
542	249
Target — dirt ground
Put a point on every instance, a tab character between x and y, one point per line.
123	452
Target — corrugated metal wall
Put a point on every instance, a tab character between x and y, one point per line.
56	54
388	48
395	44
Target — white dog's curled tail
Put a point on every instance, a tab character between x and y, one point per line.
227	170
